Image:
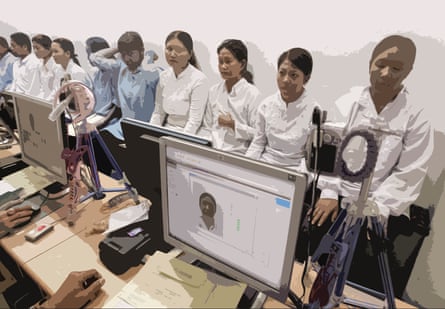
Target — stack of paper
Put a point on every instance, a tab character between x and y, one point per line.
166	282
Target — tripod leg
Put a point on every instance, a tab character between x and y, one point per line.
377	241
108	153
131	190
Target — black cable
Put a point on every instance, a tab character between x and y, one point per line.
295	300
317	119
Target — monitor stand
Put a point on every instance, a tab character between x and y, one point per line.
55	190
251	297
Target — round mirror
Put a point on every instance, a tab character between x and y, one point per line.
358	155
354	154
76	98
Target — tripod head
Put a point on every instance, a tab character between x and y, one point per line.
77	100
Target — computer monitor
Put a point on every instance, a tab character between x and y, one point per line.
41	140
142	164
238	215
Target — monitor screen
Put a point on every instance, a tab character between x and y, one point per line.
41	140
142	167
238	215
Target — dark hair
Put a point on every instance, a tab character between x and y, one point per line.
300	58
67	46
43	40
22	39
210	198
239	51
4	42
187	41
96	43
395	41
130	40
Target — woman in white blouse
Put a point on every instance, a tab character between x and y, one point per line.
41	44
232	104
182	90
63	54
284	118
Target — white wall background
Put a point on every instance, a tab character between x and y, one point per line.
340	35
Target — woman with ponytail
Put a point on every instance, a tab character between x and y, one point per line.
64	54
182	91
232	104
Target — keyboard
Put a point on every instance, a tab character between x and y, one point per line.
31	179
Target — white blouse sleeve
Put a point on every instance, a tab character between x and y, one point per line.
159	114
246	131
259	140
402	187
198	101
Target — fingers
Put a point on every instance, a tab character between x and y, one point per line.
21	220
324	215
319	216
93	290
12	203
84	275
20	214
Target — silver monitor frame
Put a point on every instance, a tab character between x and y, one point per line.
38	105
296	211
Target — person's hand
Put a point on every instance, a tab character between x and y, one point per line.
226	120
323	209
72	293
14	216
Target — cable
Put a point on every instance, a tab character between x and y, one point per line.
317	120
295	300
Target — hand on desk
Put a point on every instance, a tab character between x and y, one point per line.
73	293
14	216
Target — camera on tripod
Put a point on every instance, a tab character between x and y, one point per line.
333	152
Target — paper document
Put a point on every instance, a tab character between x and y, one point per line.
166	282
128	216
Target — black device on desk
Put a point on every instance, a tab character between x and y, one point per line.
255	213
142	168
126	247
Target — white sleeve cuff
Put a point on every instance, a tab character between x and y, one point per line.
329	194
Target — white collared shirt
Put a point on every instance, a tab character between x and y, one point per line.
403	156
181	99
48	83
282	130
242	104
76	72
25	75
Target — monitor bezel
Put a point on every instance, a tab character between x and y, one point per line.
162	131
60	133
296	211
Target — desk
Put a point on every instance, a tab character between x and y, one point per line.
49	260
